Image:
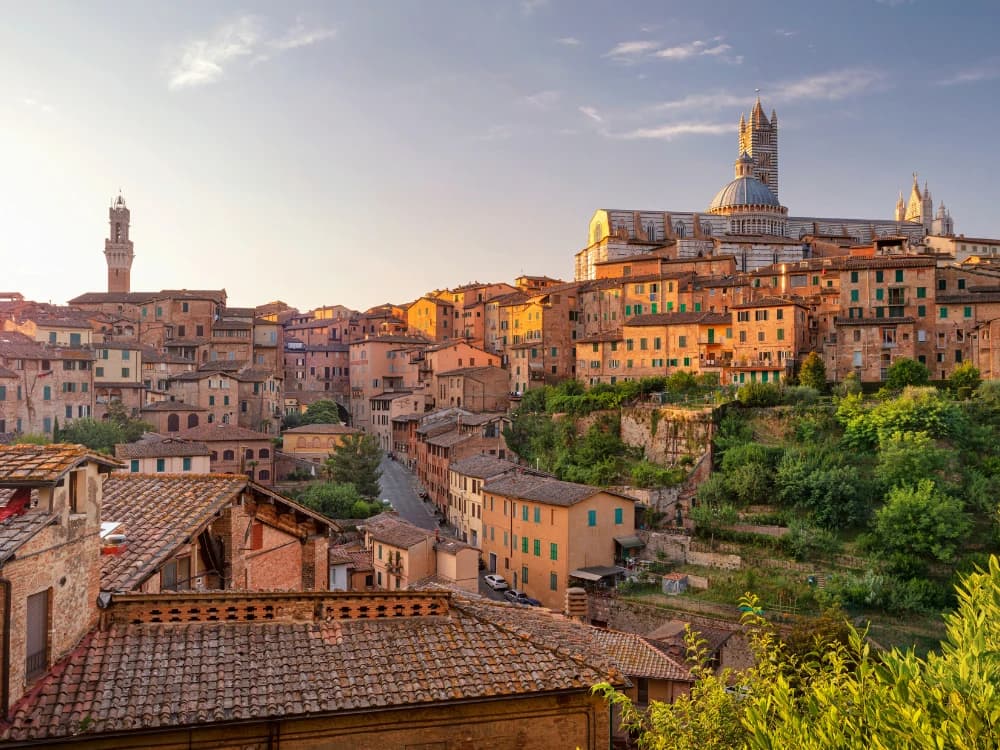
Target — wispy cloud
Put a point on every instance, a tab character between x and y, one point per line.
987	70
785	32
528	7
670	131
592	113
831	86
203	61
569	41
694	49
542	99
301	36
38	105
630	51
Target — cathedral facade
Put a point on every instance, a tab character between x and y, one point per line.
746	218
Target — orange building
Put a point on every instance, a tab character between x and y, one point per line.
543	534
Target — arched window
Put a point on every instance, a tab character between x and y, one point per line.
192	420
263	475
173	423
315	442
263	453
249	453
228	456
679	230
211	418
331	443
225	419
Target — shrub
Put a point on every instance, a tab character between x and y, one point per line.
905	371
759	394
807	542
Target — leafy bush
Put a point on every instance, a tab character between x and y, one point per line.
964	379
759	394
813	372
807	542
907	457
906	372
799	395
647	474
922	522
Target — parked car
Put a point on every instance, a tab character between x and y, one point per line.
422	494
519	597
495	582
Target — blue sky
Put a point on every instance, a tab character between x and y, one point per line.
364	152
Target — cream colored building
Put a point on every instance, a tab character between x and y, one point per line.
466	478
403	554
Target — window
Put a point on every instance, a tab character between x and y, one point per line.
966	312
186	463
47	393
524	545
134	466
524	574
781	334
176	574
921	310
854	277
553	551
592	518
524	512
682	341
537	548
184	306
99	372
619	516
943	312
879	277
880	293
37	636
228	456
854	295
211	400
52	337
125	372
921	292
942	285
161	465
899	275
553	581
538	515
961	283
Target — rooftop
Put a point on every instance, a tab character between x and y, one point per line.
544	489
302	654
158	513
218	431
157	446
22	465
481	467
322	429
391	529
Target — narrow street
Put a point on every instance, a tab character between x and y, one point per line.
399	488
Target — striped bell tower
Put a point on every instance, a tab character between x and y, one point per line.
759	140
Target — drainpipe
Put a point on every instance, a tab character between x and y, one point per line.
5	585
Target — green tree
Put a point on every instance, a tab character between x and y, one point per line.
813	372
334	500
132	428
356	461
849	386
908	457
839	694
324	411
97	435
921	522
965	379
710	518
905	371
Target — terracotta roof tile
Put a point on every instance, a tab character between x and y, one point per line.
391	529
158	513
219	431
126	677
543	489
323	429
44	464
481	467
157	446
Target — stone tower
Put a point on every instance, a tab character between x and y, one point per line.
920	208
118	247
759	139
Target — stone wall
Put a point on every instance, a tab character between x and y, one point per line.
667	434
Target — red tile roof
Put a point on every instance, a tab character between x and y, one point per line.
218	431
44	464
158	513
148	676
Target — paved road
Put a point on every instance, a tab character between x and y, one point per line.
398	488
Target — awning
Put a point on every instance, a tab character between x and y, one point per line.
596	572
629	542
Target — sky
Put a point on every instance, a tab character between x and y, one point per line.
366	152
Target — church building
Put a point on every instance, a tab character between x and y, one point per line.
746	219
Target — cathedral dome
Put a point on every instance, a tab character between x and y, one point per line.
744	191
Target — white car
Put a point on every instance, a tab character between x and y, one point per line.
495	582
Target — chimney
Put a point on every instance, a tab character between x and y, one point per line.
576	604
